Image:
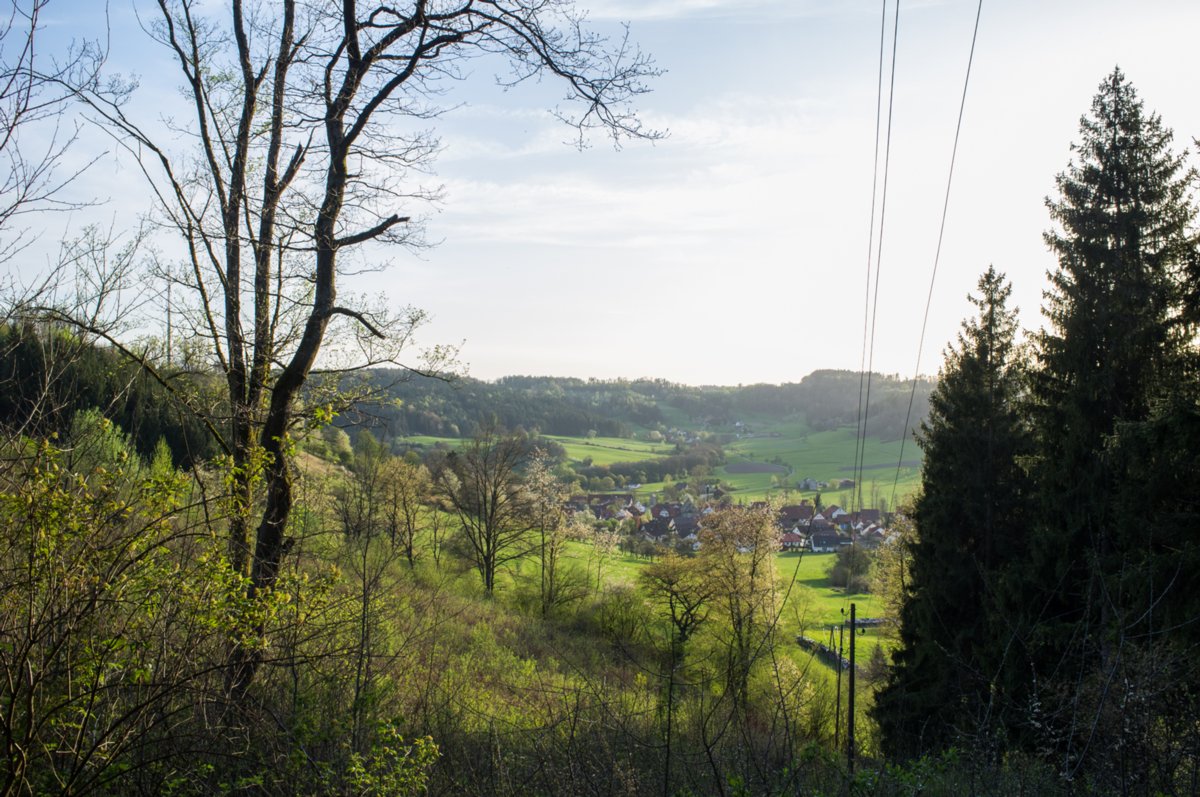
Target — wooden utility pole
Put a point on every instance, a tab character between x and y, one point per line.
850	698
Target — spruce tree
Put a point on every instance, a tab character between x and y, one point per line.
970	524
1123	218
1115	346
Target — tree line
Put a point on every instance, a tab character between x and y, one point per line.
618	408
52	373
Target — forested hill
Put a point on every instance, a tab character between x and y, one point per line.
824	400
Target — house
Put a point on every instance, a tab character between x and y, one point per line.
871	516
795	515
658	528
686	525
871	538
660	510
825	541
791	541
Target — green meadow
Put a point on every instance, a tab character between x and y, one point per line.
607	450
827	456
823	456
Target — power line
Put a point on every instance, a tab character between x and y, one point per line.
865	405
858	442
938	252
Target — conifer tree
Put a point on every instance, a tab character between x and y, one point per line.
1115	348
970	523
1114	343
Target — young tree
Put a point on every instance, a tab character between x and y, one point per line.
407	505
681	586
547	497
605	542
358	503
851	568
299	161
737	551
890	571
970	522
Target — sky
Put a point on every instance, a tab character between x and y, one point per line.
735	249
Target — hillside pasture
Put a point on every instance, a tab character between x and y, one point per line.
601	450
608	450
823	456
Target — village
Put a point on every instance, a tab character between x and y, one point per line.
675	525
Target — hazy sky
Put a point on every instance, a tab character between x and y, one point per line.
735	249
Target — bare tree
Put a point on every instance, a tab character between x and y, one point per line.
34	134
360	502
297	163
483	483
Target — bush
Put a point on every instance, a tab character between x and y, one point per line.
851	569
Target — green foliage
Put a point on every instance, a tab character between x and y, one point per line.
851	569
109	615
394	767
338	443
96	444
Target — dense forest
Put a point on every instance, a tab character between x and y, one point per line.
223	571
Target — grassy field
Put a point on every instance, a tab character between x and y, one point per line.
813	605
607	450
601	450
824	456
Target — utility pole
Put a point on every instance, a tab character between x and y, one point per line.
850	699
